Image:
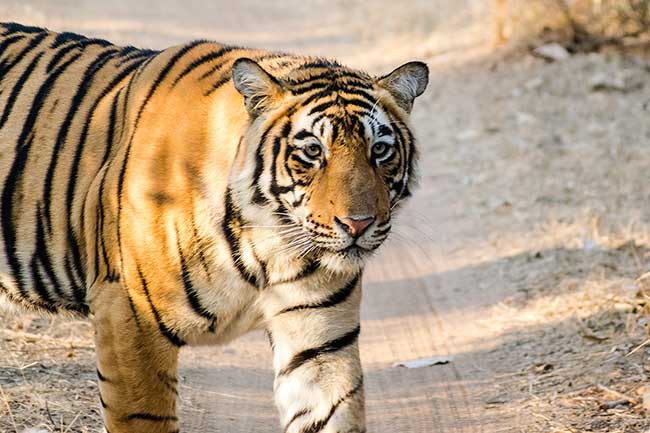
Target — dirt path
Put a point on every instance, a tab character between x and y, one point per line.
518	257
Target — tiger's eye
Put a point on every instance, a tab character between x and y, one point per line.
313	150
379	149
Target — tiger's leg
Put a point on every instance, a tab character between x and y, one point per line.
318	377
136	366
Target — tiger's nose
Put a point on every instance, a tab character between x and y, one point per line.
355	225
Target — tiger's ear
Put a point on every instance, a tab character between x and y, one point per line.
259	88
406	83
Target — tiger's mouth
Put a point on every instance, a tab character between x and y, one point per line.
354	252
356	249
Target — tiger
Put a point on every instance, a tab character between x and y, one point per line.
190	195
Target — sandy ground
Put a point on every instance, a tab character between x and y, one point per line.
522	257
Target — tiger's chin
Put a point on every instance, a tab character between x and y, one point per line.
348	261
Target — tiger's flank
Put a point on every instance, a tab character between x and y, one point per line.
190	195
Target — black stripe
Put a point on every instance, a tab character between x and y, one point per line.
39	286
77	285
322	106
385	130
320	425
332	65
164	330
65	37
276	189
79	44
140	54
331	301
101	377
349	78
40	254
407	151
358	103
150	417
6	43
320	85
232	221
190	290
295	417
302	134
213	69
17	88
112	119
318	95
76	161
15	28
6	66
357	92
9	226
101	400
381	232
296	157
258	196
98	234
330	347
201	61
111	275
220	82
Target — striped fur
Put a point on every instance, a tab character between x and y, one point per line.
191	195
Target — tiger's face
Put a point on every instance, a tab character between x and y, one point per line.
335	160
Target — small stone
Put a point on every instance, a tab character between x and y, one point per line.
603	81
620	81
553	52
467	135
525	118
534	84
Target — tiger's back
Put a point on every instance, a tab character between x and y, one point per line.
57	130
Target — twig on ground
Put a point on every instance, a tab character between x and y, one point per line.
640	346
72	423
617	394
5	399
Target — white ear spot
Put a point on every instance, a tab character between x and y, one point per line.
406	83
258	87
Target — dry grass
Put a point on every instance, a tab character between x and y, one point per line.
575	333
47	376
581	25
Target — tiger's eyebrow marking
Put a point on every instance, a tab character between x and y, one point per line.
385	130
303	134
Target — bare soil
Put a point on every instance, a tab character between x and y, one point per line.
523	255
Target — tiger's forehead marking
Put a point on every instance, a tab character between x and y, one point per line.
319	125
374	125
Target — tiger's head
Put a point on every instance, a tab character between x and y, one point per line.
330	153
